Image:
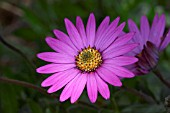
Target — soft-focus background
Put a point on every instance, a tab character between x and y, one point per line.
25	23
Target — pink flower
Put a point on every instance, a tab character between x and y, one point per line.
87	57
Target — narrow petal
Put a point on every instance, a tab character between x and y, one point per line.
62	81
53	68
91	30
81	30
109	77
51	80
102	27
79	87
109	30
155	22
137	38
92	87
119	71
64	38
73	34
56	57
60	47
122	40
119	51
144	28
111	37
121	60
67	91
102	87
166	41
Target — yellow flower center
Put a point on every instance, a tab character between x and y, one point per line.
88	59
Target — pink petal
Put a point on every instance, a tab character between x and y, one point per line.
53	68
119	51
56	57
51	80
79	87
119	71
102	87
81	30
62	81
120	41
144	28
109	77
60	47
111	37
73	34
66	93
121	60
91	30
92	87
166	41
64	38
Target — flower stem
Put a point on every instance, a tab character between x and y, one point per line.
140	94
160	76
17	51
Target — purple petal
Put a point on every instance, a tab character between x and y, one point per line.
119	71
81	30
53	68
109	77
109	30
62	81
166	41
64	38
102	87
92	87
119	51
121	60
144	28
155	22
111	37
91	30
73	34
60	47
120	41
56	57
79	87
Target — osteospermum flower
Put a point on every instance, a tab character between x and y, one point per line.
152	41
87	57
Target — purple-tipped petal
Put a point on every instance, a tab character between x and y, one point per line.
64	38
144	28
107	31
79	87
121	60
102	87
109	77
60	47
120	41
81	30
62	81
111	37
119	51
53	68
91	29
92	87
166	41
73	34
119	71
56	57
155	22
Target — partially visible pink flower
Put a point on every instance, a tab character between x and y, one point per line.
152	41
87	57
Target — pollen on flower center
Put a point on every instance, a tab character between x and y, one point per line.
88	59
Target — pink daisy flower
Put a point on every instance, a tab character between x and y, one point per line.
87	58
152	41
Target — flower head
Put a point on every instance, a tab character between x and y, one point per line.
152	41
87	57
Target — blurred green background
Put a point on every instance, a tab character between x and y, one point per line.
25	24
